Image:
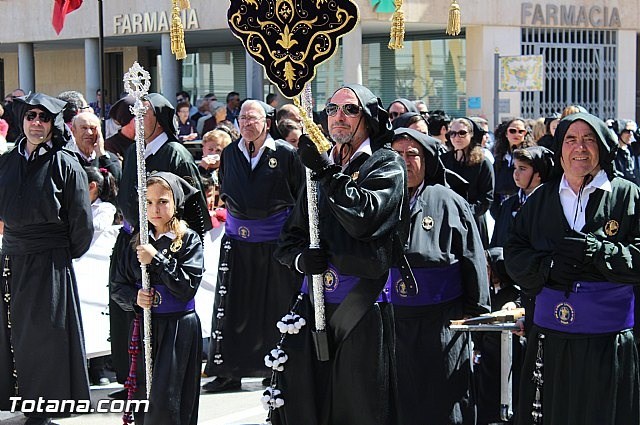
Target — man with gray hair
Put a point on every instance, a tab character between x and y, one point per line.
260	179
90	144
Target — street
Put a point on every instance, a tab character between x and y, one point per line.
231	408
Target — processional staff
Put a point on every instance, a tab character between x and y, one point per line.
136	83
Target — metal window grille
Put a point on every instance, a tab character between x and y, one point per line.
580	68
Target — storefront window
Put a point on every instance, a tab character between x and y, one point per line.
431	70
219	71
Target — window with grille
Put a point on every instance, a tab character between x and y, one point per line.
580	68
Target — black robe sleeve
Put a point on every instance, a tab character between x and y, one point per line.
484	189
367	207
76	204
127	272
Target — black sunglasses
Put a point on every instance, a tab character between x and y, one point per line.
515	130
461	133
42	116
349	109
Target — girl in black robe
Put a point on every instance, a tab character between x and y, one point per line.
44	204
174	259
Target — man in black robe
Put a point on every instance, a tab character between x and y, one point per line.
44	204
575	245
120	112
446	255
86	129
362	197
163	152
260	180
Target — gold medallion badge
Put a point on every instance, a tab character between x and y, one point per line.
273	163
427	223
611	228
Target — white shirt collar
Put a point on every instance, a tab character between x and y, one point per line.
169	234
600	181
268	143
23	151
155	145
365	147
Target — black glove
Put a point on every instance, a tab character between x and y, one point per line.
313	261
310	156
573	247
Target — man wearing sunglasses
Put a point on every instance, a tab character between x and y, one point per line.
44	204
362	196
400	106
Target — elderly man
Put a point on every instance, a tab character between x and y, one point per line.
362	196
260	179
576	246
162	152
446	254
90	144
44	204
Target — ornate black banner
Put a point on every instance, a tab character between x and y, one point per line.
290	38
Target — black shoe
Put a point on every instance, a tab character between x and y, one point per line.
119	394
266	382
222	384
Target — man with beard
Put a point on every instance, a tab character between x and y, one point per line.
446	255
44	204
575	245
362	197
260	180
163	152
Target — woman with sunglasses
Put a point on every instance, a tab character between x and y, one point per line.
44	203
514	136
467	159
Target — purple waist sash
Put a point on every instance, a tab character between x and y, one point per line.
589	308
435	285
337	286
264	230
164	301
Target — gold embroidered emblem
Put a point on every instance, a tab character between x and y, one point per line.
244	232
330	280
427	223
565	313
611	228
176	245
273	163
157	299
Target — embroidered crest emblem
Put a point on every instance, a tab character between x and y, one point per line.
176	245
157	299
355	175
565	313
405	290
611	228
244	232
330	280
273	162
427	223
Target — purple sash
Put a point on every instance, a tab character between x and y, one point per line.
589	308
337	286
435	285
164	301
264	230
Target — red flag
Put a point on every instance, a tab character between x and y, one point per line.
60	10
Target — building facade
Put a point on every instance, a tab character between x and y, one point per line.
589	49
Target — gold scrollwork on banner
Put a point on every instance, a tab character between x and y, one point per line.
290	38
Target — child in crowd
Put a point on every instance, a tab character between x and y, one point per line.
213	142
102	194
532	167
174	259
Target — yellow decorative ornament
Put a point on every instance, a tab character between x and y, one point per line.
454	24
396	40
312	129
177	29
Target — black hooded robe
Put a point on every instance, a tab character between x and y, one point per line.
434	367
176	337
256	291
359	211
47	218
